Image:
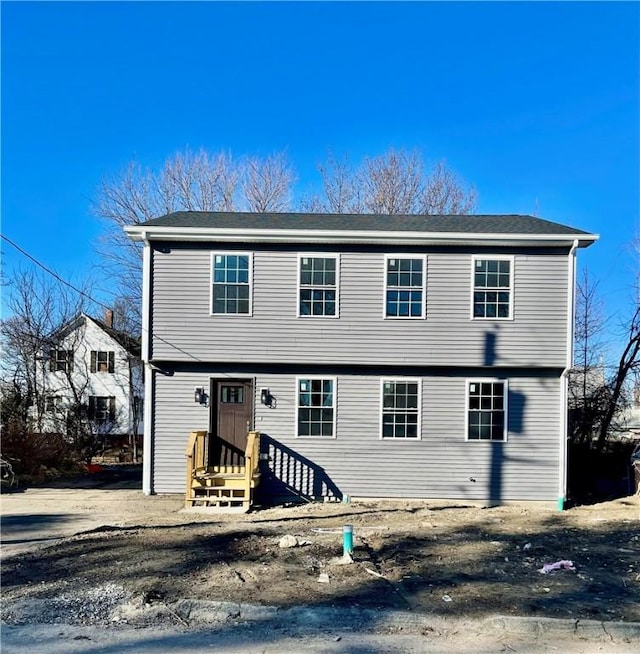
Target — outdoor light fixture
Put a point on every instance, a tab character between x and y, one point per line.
265	396
200	396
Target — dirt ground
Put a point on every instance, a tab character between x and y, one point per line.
433	557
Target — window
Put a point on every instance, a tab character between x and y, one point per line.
232	395
316	407
400	408
405	287
231	284
52	403
60	360
102	361
102	409
318	286
492	288
487	410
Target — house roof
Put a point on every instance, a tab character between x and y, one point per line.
265	227
129	343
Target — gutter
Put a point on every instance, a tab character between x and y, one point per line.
564	381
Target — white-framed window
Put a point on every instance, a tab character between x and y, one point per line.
231	277
400	402
102	361
318	276
316	407
405	285
60	360
487	409
102	409
492	288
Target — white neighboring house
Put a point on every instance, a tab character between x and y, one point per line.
93	365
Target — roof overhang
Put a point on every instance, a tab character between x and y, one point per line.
219	235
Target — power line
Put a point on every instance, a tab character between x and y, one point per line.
77	290
52	273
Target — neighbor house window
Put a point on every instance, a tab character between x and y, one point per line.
316	407
487	410
102	409
102	361
405	287
52	403
318	286
60	360
400	408
492	288
231	284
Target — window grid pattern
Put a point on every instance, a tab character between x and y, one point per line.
60	360
317	286
492	288
102	409
315	407
231	286
405	292
486	411
400	409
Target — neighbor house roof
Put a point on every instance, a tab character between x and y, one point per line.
295	227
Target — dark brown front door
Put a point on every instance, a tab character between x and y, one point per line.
231	418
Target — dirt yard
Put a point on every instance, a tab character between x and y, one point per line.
435	558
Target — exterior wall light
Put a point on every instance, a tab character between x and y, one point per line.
200	395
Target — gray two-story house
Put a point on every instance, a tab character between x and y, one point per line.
377	356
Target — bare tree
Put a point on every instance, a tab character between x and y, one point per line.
188	181
266	183
396	182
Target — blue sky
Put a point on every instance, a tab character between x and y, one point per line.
536	104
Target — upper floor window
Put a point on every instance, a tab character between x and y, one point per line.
492	287
318	286
404	287
316	407
102	361
102	409
60	360
400	408
231	283
487	410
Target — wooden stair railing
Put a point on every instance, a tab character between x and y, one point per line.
228	487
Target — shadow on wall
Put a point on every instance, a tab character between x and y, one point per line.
287	476
516	407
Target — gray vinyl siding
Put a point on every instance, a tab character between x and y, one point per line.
357	462
184	330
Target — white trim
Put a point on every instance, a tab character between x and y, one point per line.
490	380
334	407
318	255
564	380
423	307
244	235
230	253
147	442
400	380
512	294
145	341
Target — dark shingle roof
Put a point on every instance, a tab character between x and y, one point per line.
467	224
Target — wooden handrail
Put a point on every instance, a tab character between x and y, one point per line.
251	456
196	453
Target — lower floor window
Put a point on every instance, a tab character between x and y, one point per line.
102	409
316	407
487	410
400	402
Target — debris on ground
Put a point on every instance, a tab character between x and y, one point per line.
558	565
292	541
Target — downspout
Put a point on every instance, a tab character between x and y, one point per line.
147	447
564	377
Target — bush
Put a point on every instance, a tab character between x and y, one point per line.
32	454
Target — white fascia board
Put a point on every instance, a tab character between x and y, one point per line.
195	234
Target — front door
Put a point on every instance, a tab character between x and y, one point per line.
231	418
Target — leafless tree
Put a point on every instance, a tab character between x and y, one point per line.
188	181
396	182
266	183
